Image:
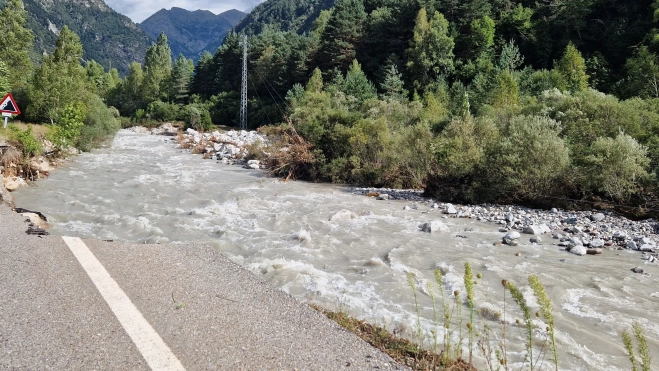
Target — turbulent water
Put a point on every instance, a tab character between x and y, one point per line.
143	189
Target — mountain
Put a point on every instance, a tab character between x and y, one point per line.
191	33
109	38
283	15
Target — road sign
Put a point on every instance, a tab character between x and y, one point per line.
9	107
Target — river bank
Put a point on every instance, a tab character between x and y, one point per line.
328	246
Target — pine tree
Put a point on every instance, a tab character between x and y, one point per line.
357	84
180	79
202	80
392	86
430	55
315	84
157	70
342	35
572	67
16	42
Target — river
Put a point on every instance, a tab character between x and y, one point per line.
142	188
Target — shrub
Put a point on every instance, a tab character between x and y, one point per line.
529	156
617	166
100	123
25	141
69	122
197	117
161	111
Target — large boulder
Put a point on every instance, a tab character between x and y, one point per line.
434	226
5	197
40	165
579	250
533	229
13	183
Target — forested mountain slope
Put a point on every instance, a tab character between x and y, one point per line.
283	15
108	37
191	33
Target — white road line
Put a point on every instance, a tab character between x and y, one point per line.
154	350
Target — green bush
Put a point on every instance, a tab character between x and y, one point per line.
100	124
528	158
197	117
68	124
617	167
25	141
161	111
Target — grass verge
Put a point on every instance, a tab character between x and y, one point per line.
400	350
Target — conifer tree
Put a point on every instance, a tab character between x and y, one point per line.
393	86
16	42
357	84
315	84
342	35
202	80
430	55
572	67
180	78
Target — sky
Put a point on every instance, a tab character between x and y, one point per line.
139	10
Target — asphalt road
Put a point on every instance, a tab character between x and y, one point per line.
57	314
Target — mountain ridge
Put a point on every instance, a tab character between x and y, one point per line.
109	38
191	33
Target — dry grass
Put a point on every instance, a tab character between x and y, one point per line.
39	131
401	350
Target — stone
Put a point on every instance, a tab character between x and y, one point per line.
40	165
535	239
434	226
510	218
254	166
503	229
407	208
572	221
510	241
435	206
632	245
596	251
518	254
513	235
598	217
647	248
596	243
382	197
554	210
13	183
533	229
638	270
342	215
450	209
5	197
579	250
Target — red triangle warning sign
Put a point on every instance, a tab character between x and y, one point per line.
8	105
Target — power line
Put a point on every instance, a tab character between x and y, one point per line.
243	92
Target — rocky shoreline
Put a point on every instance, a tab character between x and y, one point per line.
578	232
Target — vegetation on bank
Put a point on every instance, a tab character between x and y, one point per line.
476	102
60	95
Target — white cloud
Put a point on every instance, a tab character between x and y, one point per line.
139	10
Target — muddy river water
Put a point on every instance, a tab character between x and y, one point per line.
142	188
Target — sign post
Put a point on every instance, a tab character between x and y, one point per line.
8	107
